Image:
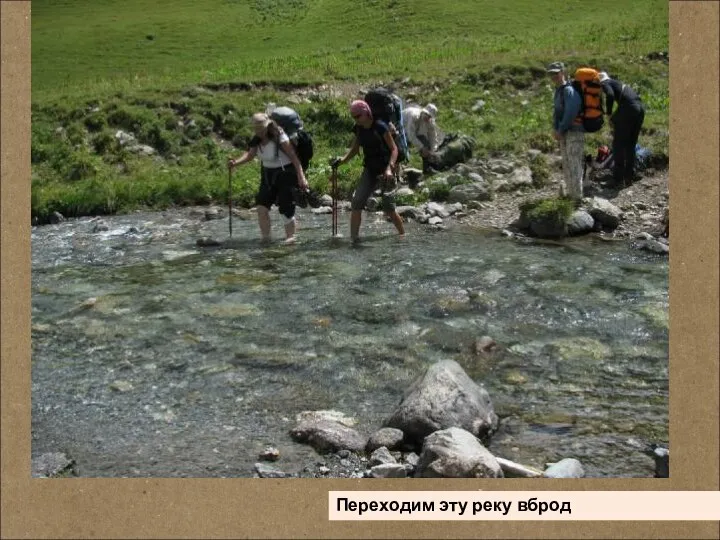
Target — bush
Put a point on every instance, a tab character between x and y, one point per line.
95	121
540	171
82	165
557	210
104	142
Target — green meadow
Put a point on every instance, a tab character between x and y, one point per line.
184	76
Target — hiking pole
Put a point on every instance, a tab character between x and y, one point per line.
230	199
333	181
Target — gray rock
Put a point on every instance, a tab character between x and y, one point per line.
437	209
388	437
268	471
580	222
321	210
327	436
380	456
603	211
142	149
444	396
326	200
456	453
100	226
435	220
329	415
565	468
454	208
654	246
56	217
206	241
213	213
404	192
50	464
124	138
501	167
517	179
477	191
478	106
412	458
388	470
644	236
407	211
548	228
475	177
533	154
661	456
270	453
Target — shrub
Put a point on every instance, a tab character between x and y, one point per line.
95	121
540	171
104	142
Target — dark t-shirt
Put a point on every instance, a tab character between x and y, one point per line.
376	154
625	97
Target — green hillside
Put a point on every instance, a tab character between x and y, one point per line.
103	65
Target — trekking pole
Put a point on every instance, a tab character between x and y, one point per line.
333	181
230	199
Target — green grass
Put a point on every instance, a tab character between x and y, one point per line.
106	65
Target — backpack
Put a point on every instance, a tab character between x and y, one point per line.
455	148
587	83
388	107
291	123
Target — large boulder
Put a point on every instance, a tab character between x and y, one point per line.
580	223
603	211
477	191
443	397
456	453
327	436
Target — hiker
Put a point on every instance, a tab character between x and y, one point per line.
421	130
626	123
281	172
568	130
380	156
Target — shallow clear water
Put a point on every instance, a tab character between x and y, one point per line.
190	360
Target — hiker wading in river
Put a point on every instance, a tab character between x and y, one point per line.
379	161
281	172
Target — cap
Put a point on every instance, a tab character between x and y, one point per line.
430	110
556	67
604	76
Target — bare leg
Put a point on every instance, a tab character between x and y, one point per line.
290	231
264	222
398	222
355	219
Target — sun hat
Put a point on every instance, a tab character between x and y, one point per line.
260	120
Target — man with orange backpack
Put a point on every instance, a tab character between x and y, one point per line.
568	130
626	122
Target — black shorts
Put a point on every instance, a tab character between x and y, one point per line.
276	187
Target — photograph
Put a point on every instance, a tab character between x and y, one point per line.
326	239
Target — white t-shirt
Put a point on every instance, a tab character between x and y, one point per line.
270	158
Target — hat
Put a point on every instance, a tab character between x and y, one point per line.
260	120
430	110
604	76
556	67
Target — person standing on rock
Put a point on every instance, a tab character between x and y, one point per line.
421	130
281	172
568	131
379	159
626	123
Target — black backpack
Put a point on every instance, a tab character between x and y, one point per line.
388	107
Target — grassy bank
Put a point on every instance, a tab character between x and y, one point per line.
184	77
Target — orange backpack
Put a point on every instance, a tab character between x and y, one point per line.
587	83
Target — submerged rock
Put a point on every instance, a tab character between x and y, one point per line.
50	464
456	453
565	468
